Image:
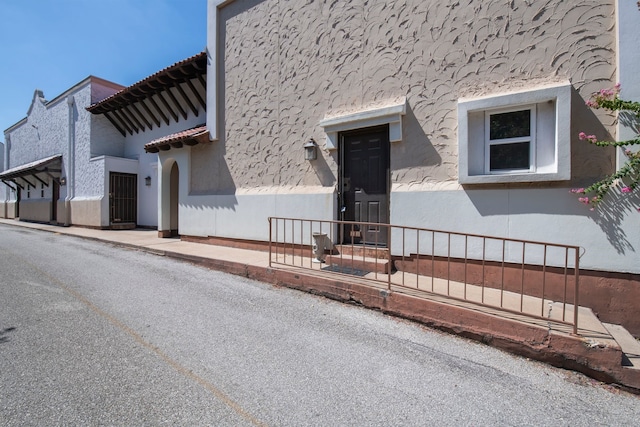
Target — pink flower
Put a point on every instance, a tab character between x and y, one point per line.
577	190
626	189
591	138
584	200
591	104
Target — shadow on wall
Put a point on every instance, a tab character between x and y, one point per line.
589	162
322	169
415	150
610	214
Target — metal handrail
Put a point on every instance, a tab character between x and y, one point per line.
290	243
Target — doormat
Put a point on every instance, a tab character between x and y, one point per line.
334	268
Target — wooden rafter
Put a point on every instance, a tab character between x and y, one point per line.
187	100
46	184
9	185
167	106
128	120
150	113
127	111
27	181
195	92
157	107
115	124
118	116
142	116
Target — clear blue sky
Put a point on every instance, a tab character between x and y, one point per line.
53	44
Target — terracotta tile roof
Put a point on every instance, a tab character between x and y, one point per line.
189	68
193	136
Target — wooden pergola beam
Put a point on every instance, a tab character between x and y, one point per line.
148	110
195	92
187	100
46	184
142	116
118	116
132	116
157	107
168	107
113	122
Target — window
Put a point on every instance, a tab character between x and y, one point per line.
515	137
510	141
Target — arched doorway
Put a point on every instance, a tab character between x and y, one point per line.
174	185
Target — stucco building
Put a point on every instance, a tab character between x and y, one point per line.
79	159
58	158
460	118
425	114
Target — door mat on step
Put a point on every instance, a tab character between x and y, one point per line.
345	270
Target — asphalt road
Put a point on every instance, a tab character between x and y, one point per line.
92	334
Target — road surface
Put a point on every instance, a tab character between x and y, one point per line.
93	334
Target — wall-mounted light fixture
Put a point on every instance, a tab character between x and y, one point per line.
310	150
63	180
147	181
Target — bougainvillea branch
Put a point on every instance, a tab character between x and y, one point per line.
627	178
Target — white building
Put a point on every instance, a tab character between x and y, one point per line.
427	89
58	159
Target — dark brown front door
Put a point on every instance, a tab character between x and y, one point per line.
123	198
365	184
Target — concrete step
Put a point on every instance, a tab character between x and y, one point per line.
629	345
358	251
358	265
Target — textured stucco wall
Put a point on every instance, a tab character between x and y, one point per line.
46	132
284	66
288	65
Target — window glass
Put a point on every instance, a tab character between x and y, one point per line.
514	124
509	156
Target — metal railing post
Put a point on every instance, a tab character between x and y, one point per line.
270	240
576	291
389	265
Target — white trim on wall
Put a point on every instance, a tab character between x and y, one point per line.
390	114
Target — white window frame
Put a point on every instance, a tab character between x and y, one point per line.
531	139
551	151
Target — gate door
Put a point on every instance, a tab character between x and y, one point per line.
123	198
365	184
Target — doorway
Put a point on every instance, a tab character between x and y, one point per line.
174	185
123	198
364	183
55	195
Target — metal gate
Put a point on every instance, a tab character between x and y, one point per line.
123	198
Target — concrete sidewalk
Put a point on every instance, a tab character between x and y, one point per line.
594	351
